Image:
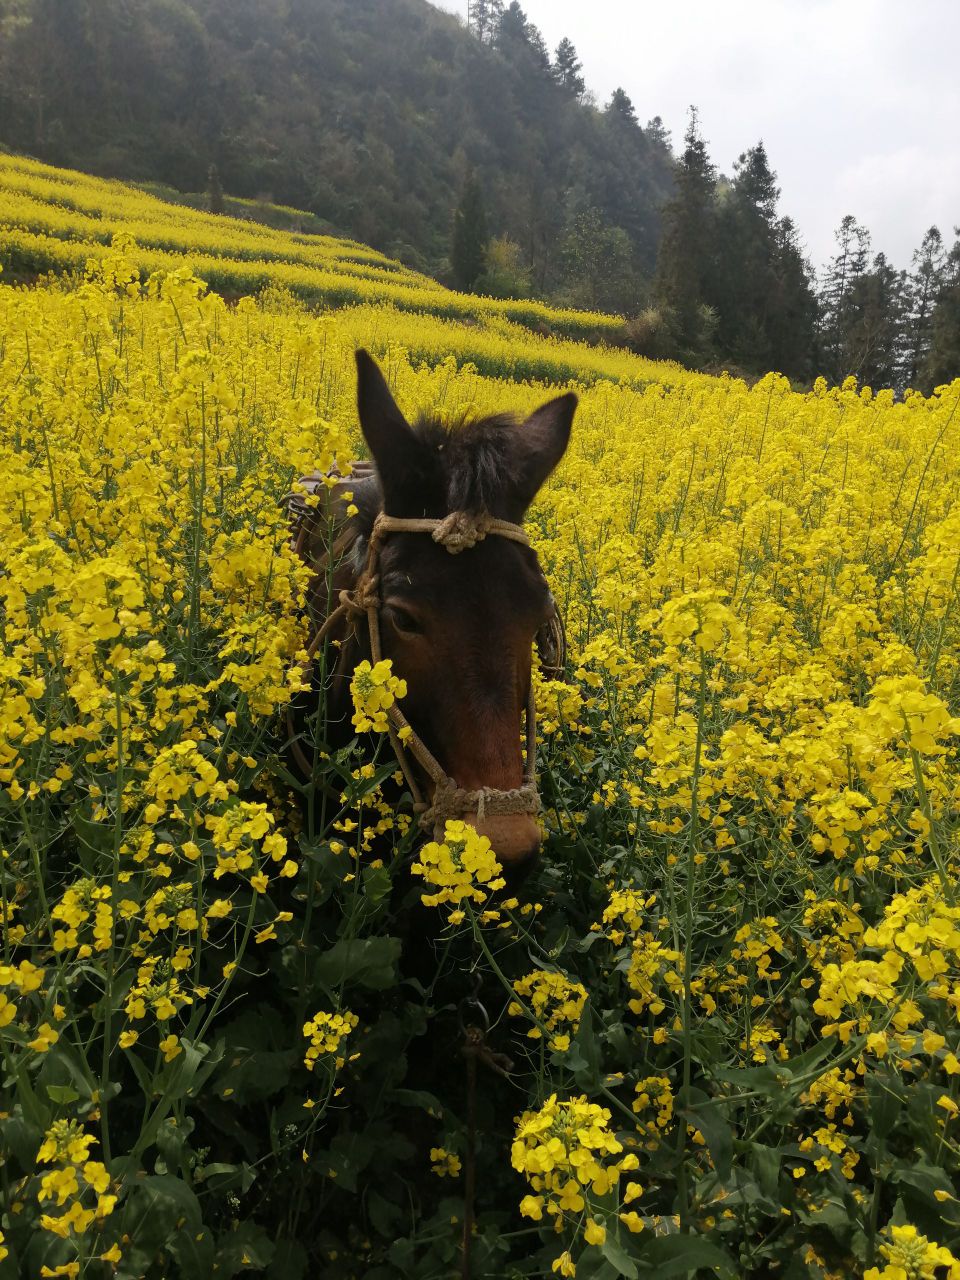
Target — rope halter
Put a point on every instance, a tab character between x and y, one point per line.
457	532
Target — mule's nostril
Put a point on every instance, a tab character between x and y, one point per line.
515	838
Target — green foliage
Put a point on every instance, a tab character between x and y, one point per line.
365	115
598	264
214	191
504	273
943	357
468	250
685	256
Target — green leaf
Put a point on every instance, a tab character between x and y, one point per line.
193	1251
34	1109
191	1068
681	1255
22	1139
377	884
289	1261
247	1248
61	1094
707	1115
222	1177
614	1252
158	1209
94	843
583	1058
925	1178
383	1215
144	1075
420	1098
886	1106
766	1164
361	962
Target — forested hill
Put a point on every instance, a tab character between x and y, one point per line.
478	156
370	113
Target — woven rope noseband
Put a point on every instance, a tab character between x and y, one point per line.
457	532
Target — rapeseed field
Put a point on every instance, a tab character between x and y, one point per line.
724	1013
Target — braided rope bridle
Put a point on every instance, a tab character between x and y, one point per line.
457	532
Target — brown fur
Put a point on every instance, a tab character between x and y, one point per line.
459	629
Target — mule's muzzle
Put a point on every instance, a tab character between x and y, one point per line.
515	837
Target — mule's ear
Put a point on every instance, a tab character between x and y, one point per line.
385	429
541	442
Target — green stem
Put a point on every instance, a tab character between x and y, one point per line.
932	841
683	1187
111	956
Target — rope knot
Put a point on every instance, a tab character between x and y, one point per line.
461	530
363	597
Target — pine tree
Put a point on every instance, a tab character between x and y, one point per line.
566	69
469	244
686	251
483	19
621	108
741	286
874	317
942	361
756	183
792	307
539	47
924	284
658	135
513	24
839	302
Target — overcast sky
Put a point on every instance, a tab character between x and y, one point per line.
857	101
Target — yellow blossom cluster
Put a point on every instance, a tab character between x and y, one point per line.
445	1164
326	1033
654	1102
555	1004
912	1256
571	1159
76	1185
461	869
374	690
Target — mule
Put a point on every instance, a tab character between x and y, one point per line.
458	628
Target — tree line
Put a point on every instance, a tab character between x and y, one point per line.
475	154
733	285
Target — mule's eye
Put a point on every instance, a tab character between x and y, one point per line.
403	620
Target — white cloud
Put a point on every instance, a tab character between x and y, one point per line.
858	101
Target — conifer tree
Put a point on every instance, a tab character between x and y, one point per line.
567	68
942	361
483	19
792	307
874	325
621	108
657	134
513	24
741	284
685	258
539	47
468	248
839	298
924	283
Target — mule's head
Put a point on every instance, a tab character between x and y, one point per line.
460	628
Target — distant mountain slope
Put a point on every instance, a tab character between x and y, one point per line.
368	113
58	219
